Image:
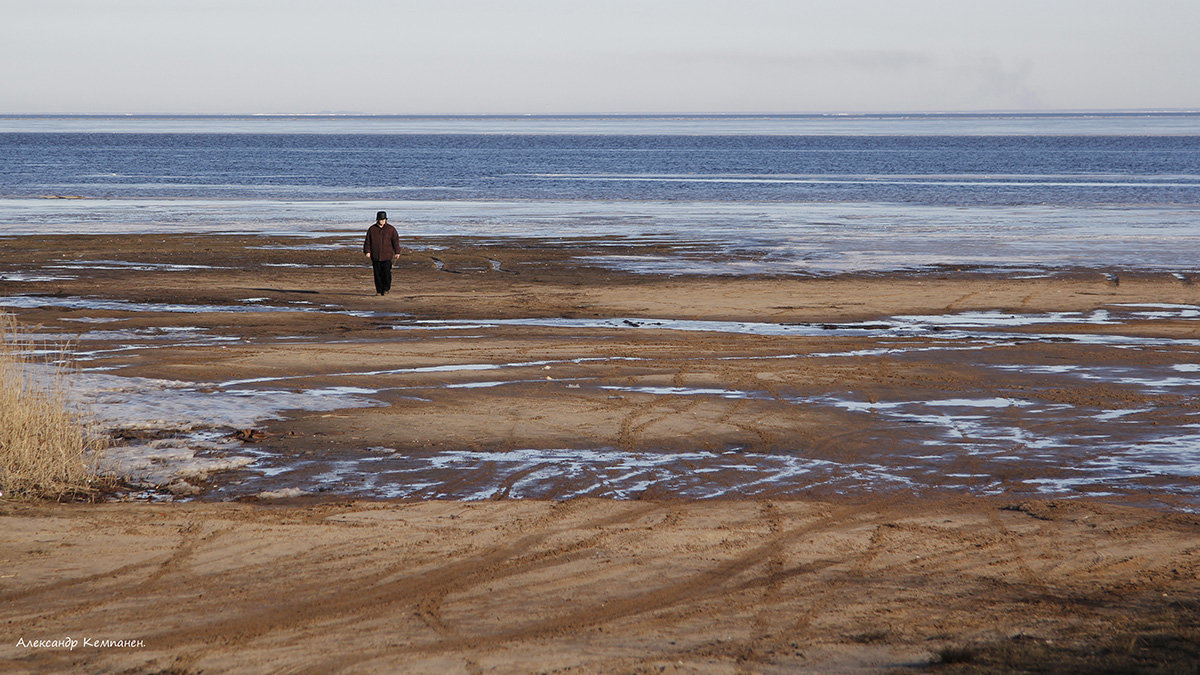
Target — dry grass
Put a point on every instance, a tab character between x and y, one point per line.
46	450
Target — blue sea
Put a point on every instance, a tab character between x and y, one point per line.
771	193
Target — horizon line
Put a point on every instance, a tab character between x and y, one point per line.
863	113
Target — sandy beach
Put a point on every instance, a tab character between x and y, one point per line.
600	586
524	459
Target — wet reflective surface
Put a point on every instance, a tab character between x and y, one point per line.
1099	403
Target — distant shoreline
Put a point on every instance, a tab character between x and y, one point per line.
935	123
627	115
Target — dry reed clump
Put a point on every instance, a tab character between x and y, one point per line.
46	450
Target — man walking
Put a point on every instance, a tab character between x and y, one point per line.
382	247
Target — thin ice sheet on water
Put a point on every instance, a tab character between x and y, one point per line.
115	402
172	404
565	473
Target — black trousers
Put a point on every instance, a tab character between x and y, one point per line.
383	275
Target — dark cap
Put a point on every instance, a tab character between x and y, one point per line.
382	215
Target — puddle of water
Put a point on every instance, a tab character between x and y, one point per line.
57	351
87	355
285	493
304	247
754	328
469	475
689	391
138	402
1161	305
29	277
1110	453
979	403
992	434
611	473
971	433
488	384
1116	415
198	415
41	301
304	266
958	443
132	266
965	326
970	327
165	462
445	368
1001	319
341	391
1150	379
161	333
676	266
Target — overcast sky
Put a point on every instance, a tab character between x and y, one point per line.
562	56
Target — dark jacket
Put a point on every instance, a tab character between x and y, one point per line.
383	243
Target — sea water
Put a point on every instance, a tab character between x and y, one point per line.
773	193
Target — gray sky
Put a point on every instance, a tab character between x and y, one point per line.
552	56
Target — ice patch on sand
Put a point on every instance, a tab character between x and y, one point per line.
163	462
979	402
103	304
93	319
30	277
566	473
38	301
991	327
136	402
132	266
196	413
688	391
1149	379
444	368
285	493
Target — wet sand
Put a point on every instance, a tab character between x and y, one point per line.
519	371
853	427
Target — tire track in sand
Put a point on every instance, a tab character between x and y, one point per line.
187	546
709	584
372	596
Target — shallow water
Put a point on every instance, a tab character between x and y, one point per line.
964	448
127	265
194	418
728	237
775	194
135	402
563	474
965	327
33	277
250	305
